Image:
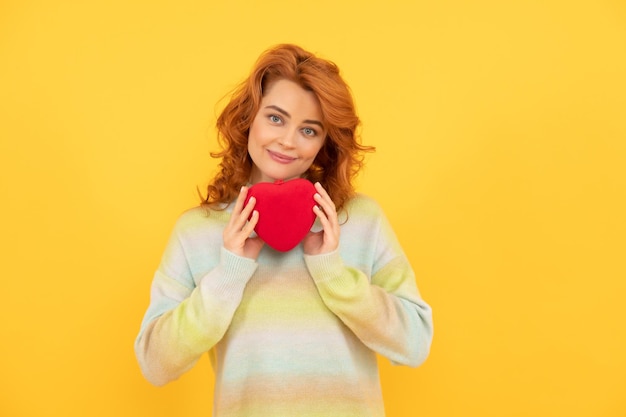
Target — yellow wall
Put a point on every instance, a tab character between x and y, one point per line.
501	135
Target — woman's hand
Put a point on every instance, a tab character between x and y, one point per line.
238	230
327	240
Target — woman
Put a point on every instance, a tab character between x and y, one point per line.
293	333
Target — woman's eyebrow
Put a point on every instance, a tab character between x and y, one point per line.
278	109
286	114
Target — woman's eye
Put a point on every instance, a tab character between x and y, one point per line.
309	132
275	119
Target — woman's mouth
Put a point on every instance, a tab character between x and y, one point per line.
281	158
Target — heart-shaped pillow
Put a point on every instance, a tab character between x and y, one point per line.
285	211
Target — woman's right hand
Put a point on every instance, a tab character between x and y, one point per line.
238	230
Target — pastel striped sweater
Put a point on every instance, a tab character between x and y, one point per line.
287	334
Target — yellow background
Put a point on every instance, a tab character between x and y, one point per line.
500	128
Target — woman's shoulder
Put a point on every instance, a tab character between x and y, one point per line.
361	211
364	205
199	217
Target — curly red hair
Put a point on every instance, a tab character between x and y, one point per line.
341	156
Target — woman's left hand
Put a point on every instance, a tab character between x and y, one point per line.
326	240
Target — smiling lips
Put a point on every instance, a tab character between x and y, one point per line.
280	158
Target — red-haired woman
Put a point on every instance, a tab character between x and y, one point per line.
291	333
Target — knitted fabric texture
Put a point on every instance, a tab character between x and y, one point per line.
288	334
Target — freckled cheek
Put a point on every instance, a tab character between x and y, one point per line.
308	154
256	138
312	150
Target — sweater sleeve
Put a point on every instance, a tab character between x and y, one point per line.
385	311
183	320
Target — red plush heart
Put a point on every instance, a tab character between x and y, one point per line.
285	211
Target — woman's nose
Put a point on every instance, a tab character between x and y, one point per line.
288	140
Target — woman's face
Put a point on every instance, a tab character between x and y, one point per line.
286	133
